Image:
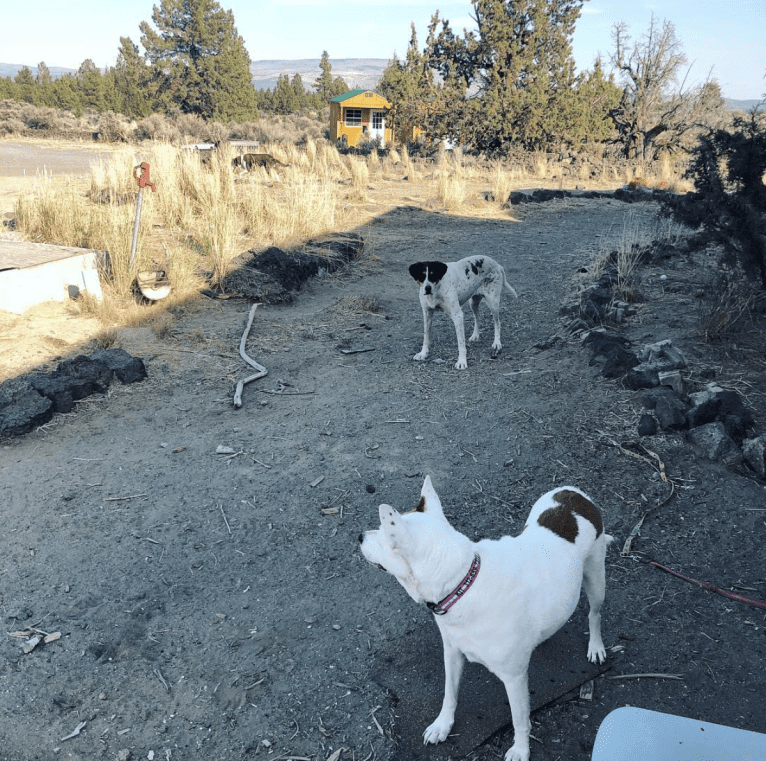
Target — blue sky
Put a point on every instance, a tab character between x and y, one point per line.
727	36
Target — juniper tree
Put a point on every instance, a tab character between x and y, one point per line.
511	80
199	60
408	86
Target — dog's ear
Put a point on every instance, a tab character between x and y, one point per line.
392	525
436	271
432	503
418	272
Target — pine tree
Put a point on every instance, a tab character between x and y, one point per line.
199	59
66	95
131	81
26	87
596	96
91	86
283	98
323	83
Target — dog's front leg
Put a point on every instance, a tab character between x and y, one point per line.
454	661
456	313
428	314
518	696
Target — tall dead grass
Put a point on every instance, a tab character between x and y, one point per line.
451	187
202	214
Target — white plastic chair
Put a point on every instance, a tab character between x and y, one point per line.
636	734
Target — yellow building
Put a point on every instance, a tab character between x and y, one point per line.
360	114
357	114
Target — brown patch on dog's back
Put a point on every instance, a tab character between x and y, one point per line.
582	506
562	521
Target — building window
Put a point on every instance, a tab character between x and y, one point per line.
353	117
377	120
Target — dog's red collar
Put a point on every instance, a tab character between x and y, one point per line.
441	607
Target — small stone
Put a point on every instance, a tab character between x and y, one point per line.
754	451
713	443
673	379
647	425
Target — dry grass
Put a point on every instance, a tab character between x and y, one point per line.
732	307
624	251
451	188
201	217
204	214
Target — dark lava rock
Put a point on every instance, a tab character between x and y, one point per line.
55	387
715	404
126	367
273	275
712	442
31	400
647	425
22	409
614	349
669	409
93	376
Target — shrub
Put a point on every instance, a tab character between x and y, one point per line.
729	203
110	129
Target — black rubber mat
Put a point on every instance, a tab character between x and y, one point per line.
413	671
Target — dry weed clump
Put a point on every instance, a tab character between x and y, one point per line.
502	180
451	189
734	302
360	177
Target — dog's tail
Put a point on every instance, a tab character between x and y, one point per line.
507	285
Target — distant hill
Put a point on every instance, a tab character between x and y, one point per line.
12	69
744	105
356	72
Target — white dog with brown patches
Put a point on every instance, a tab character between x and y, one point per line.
496	600
447	286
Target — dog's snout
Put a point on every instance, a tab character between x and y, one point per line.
361	538
427	290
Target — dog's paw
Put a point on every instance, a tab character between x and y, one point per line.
596	652
437	732
517	753
496	349
421	356
474	336
461	364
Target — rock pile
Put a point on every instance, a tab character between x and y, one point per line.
716	421
626	194
31	400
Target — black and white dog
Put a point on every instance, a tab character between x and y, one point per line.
447	286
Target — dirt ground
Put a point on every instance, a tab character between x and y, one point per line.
216	606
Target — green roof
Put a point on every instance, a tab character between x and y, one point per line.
347	95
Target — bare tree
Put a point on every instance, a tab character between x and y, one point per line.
656	110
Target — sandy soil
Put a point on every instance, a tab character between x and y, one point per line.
215	606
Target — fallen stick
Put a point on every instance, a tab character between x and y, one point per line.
75	731
659	467
637	528
711	587
647	676
262	371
